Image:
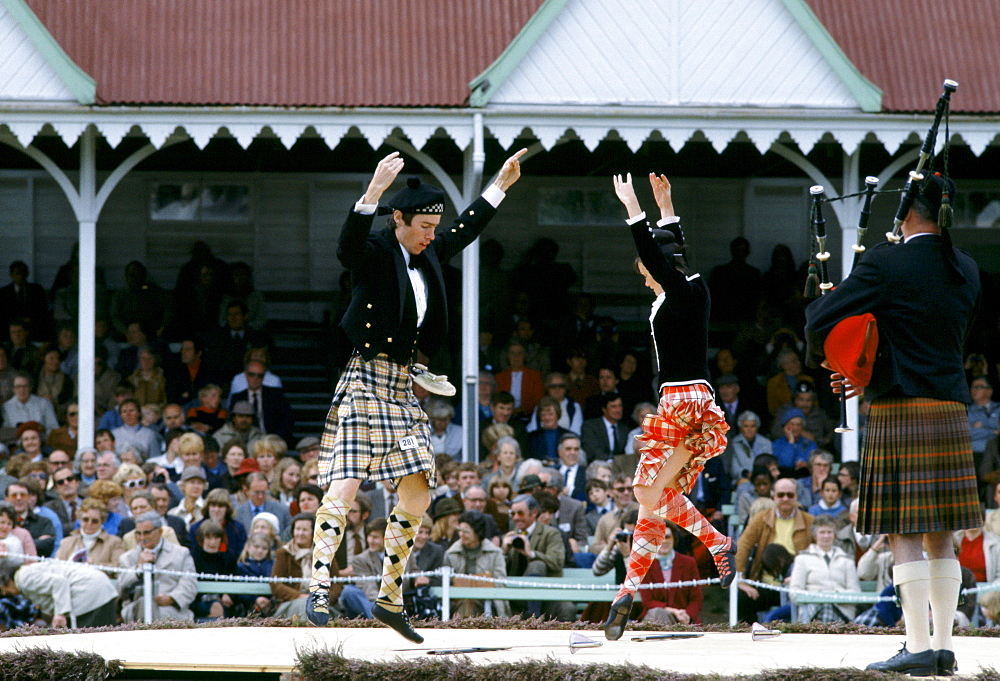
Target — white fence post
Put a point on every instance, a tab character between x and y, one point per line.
734	592
445	593
147	593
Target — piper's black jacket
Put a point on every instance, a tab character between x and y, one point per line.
923	308
382	316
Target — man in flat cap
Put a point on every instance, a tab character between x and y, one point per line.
375	428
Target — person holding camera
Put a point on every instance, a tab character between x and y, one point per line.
535	549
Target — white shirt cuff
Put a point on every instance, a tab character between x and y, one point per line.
668	221
494	195
365	208
631	221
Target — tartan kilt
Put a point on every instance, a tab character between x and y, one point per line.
687	415
917	471
373	409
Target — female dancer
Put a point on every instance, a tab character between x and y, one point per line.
688	428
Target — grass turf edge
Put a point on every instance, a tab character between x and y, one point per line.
45	664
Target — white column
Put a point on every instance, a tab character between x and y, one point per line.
472	178
87	216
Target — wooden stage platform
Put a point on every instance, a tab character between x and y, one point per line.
273	651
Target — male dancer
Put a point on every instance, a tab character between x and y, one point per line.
375	429
918	482
688	429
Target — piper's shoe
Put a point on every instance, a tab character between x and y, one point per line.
914	664
618	618
318	607
946	664
725	564
433	383
398	621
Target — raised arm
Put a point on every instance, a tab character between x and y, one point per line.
354	234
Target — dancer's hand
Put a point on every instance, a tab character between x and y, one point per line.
510	172
385	174
626	194
661	193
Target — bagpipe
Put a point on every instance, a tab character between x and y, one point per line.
851	345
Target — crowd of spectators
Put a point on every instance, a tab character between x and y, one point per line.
195	468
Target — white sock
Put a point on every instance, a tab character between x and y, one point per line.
945	583
912	581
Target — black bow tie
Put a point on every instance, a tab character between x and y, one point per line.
418	260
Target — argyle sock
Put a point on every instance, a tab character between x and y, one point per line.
399	534
912	581
331	519
945	584
678	509
646	542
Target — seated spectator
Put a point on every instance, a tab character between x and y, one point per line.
20	494
849	476
623	498
876	563
521	381
573	472
830	503
571	413
639	414
356	600
761	482
473	554
132	432
148	379
242	289
188	373
233	455
143	502
269	405
607	382
12	549
543	443
256	561
193	485
817	426
307	499
787	525
811	487
777	563
229	344
499	493
581	384
506	455
535	549
219	509
825	568
174	593
287	475
25	406
240	427
446	437
793	449
131	478
598	503
979	551
85	465
605	437
268	451
308	449
111	495
502	408
106	383
207	416
151	417
425	557
64	437
64	590
53	384
30	441
91	543
984	414
259	500
781	387
746	445
444	532
66	484
310	472
211	559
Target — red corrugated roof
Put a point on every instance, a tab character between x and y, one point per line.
908	47
284	52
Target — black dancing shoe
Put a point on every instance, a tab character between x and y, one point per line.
725	564
946	665
905	662
318	607
618	618
398	621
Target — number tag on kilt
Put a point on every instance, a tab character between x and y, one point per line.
408	443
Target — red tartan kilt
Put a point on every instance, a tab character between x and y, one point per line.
687	416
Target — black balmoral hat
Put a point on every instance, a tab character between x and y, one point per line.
417	197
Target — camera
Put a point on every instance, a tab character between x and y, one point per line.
518	543
160	477
623	535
